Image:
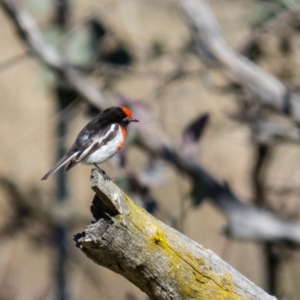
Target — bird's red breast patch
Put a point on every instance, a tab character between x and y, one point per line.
123	132
126	111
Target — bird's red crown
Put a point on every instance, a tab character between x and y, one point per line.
126	111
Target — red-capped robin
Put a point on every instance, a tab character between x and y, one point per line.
98	141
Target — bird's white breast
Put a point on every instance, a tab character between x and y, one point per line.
107	150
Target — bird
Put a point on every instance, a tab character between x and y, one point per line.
98	141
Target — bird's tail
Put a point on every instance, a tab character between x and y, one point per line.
58	165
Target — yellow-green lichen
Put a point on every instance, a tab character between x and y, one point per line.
159	239
194	278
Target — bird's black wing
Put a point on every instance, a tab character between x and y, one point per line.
93	145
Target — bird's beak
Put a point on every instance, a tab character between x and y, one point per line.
134	120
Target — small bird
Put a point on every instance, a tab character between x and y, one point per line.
98	141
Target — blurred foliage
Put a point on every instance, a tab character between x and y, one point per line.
266	10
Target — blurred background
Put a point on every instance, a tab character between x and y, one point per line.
141	54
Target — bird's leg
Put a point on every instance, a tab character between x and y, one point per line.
104	175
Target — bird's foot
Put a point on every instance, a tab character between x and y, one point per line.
102	172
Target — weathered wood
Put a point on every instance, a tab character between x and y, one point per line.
159	260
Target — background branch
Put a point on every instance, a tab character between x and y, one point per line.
214	51
31	35
244	221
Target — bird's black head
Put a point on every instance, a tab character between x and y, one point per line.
119	114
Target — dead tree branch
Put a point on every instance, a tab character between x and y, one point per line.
212	48
158	259
244	221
